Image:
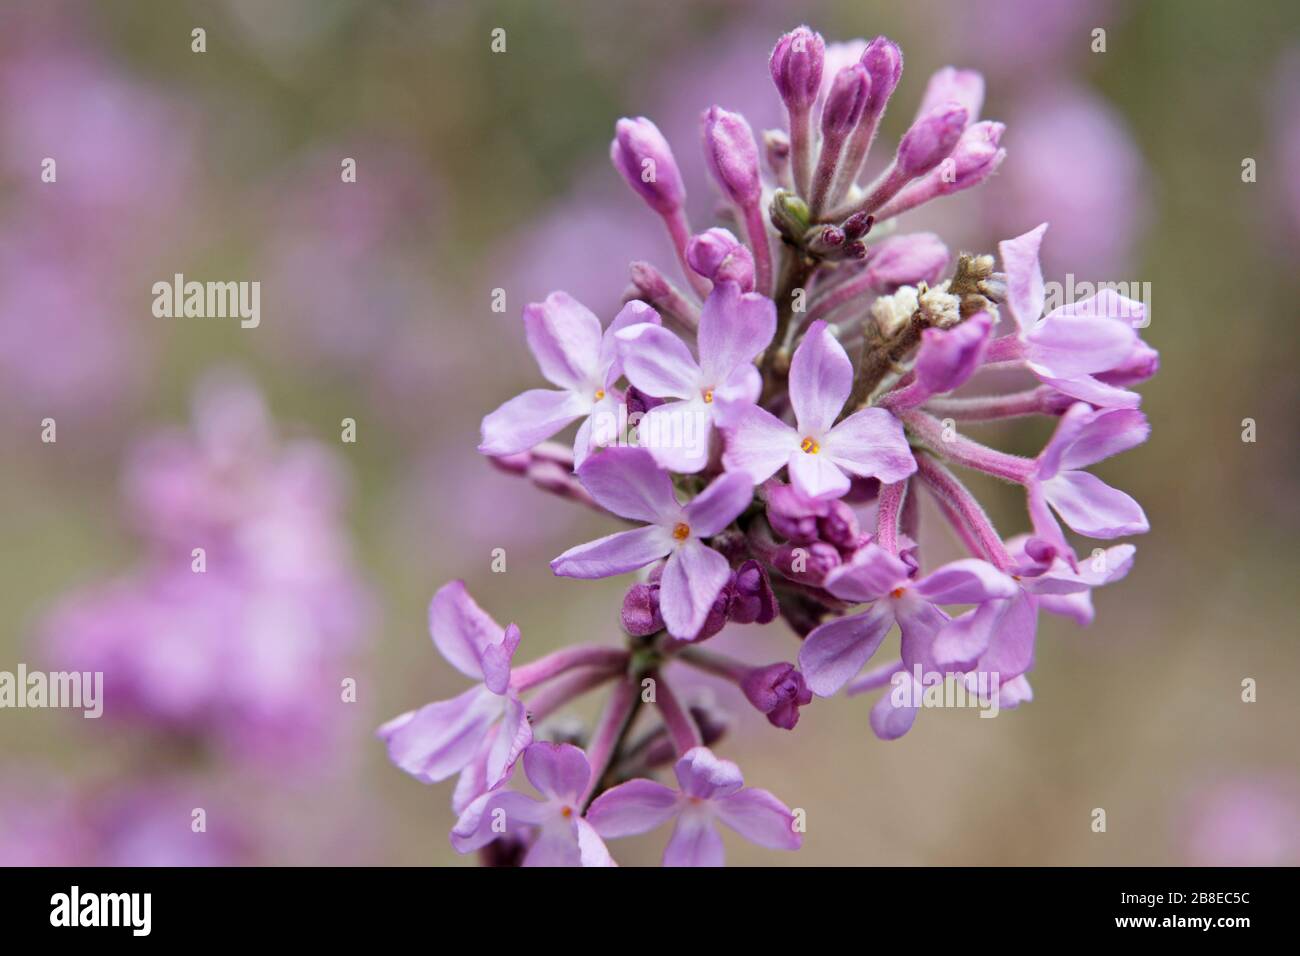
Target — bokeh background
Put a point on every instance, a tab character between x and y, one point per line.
480	171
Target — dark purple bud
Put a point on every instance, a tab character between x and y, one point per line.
931	139
641	610
717	617
790	514
777	690
509	849
732	154
807	563
884	62
638	402
640	152
906	260
846	101
796	66
858	225
752	599
840	526
721	257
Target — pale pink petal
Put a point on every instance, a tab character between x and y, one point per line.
616	553
821	377
695	842
513	735
1064	346
692	580
1025	292
968	581
871	444
719	504
872	573
634	807
890	718
1011	651
1088	389
461	630
558	771
816	475
757	443
591	848
760	818
834	652
439	739
627	482
564	336
657	362
497	659
530	418
1107	433
919	622
1093	508
734	328
555	846
492	815
705	776
677	434
633	313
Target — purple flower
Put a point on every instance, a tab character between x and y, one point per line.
711	790
571	351
777	690
480	733
836	651
1069	347
561	774
734	328
627	482
1087	504
796	65
820	454
640	152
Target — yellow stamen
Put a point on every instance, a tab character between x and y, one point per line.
810	446
682	531
600	393
708	396
897	592
566	812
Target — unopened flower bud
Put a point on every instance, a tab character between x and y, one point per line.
951	85
946	359
858	225
807	563
931	139
796	66
640	152
776	150
641	610
777	690
791	515
720	256
752	599
839	526
846	101
789	214
732	154
884	62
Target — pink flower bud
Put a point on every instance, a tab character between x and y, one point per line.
796	66
640	152
777	690
846	101
931	139
732	153
950	85
720	256
884	62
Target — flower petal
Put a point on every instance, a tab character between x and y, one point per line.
528	419
497	659
1065	346
514	733
815	475
637	806
692	580
1025	292
591	848
1011	651
968	581
695	842
564	336
1107	433
462	630
627	482
734	328
872	573
835	651
633	313
615	553
482	821
919	622
871	444
891	719
760	818
758	443
677	435
657	362
558	771
1093	508
703	775
821	378
440	738
719	504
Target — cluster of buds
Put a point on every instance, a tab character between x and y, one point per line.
760	471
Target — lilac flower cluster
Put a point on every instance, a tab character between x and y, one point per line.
767	429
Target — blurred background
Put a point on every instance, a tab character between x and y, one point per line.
479	171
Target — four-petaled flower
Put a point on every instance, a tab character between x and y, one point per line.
572	352
479	734
561	774
627	482
712	790
820	453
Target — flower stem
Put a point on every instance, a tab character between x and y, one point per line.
963	451
888	511
549	699
615	721
965	513
679	723
553	665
